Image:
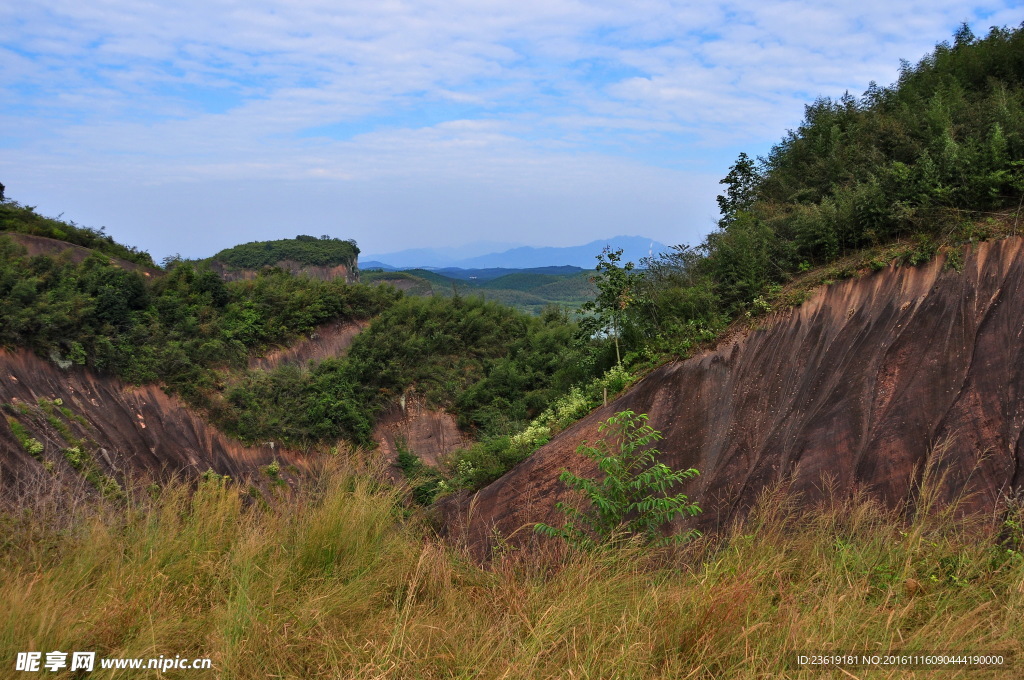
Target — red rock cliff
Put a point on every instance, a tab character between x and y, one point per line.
858	384
323	273
139	432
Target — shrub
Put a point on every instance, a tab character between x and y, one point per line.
633	498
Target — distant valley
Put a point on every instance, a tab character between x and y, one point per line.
528	290
634	248
526	278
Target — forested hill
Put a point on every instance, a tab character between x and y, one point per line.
303	250
918	158
927	161
197	334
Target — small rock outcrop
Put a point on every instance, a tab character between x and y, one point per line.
411	425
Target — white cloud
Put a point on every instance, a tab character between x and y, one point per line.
441	97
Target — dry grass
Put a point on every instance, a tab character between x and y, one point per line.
339	583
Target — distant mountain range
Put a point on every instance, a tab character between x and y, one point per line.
524	257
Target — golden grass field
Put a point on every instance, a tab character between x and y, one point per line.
340	580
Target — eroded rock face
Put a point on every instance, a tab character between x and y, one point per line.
857	385
322	273
425	432
137	432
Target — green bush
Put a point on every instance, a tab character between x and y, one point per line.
632	498
32	446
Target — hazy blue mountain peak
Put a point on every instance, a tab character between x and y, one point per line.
525	257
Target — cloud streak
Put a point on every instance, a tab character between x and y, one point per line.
110	100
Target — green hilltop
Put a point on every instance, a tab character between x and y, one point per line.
306	250
21	219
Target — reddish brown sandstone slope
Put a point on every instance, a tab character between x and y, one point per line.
858	384
139	432
323	273
430	434
329	340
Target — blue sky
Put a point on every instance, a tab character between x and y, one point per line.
190	126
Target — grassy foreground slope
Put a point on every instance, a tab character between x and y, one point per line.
337	583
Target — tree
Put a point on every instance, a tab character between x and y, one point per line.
633	498
617	288
741	183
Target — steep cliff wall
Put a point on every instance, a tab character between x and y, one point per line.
856	385
136	431
322	273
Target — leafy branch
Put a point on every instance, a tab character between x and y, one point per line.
633	498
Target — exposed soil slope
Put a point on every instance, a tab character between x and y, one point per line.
41	245
139	431
857	385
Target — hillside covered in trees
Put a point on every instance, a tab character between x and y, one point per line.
23	219
853	399
927	161
303	250
194	333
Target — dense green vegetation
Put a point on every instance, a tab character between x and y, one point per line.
496	453
21	219
632	499
495	367
323	251
919	161
176	328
